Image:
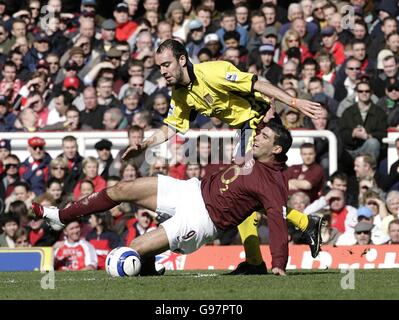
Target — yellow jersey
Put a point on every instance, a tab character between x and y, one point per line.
217	89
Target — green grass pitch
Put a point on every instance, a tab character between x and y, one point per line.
199	285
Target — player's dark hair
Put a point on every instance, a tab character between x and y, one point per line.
283	137
177	48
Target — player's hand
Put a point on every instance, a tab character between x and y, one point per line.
132	151
278	272
270	113
309	108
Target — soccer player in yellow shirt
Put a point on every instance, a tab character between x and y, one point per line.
219	89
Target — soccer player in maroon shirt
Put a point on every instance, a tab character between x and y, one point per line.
199	209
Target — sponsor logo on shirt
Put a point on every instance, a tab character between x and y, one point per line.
232	77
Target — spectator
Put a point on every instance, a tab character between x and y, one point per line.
40	233
125	27
228	22
62	102
164	32
114	119
393	230
41	48
270	70
10	175
140	224
159	166
105	96
241	10
363	233
389	75
257	29
177	165
343	216
5	151
21	238
74	254
135	135
74	161
298	201
308	73
86	188
105	158
102	238
7	118
193	170
290	40
10	84
329	122
93	113
34	169
9	227
56	190
160	108
307	177
90	171
389	25
128	171
292	118
326	66
175	16
196	36
363	125
346	87
390	103
329	235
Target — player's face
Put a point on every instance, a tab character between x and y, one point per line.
263	146
170	68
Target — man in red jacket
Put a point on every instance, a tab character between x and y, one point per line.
199	210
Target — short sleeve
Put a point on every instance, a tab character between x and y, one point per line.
229	78
179	116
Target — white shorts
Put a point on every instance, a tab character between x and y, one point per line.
190	226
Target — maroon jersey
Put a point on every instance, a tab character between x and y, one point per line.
233	194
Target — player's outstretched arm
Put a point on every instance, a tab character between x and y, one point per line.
308	108
161	135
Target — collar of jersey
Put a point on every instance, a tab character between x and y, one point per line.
191	74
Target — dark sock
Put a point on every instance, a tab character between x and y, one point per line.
94	203
148	267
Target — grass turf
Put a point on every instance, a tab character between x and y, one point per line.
199	285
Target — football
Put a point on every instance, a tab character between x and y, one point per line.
123	262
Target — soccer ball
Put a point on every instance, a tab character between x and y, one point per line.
123	262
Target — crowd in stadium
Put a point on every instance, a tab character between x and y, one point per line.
74	69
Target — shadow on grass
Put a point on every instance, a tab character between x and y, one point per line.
289	273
